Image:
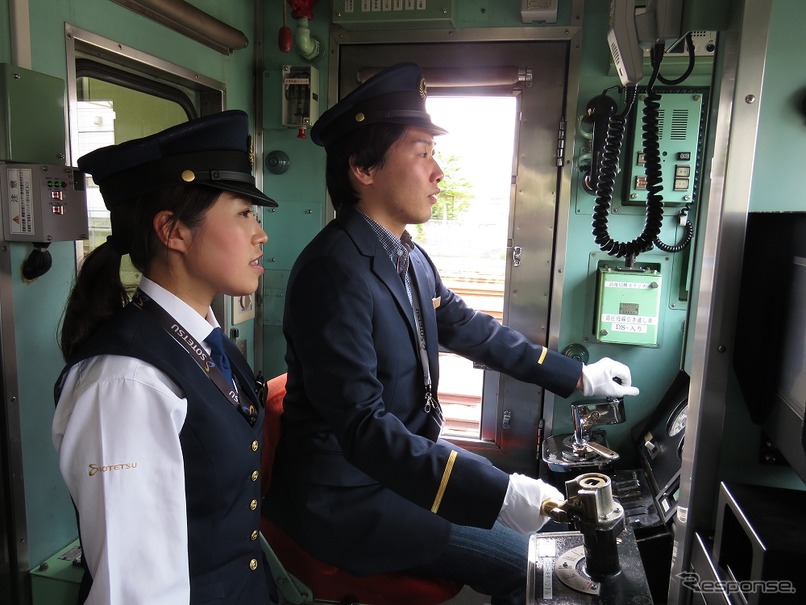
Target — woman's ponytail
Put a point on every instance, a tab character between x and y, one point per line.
97	295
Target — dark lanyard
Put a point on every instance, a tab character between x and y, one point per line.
197	352
431	401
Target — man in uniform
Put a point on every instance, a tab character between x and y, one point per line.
363	480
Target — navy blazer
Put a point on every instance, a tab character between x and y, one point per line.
361	479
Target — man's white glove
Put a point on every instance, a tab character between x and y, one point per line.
599	379
521	508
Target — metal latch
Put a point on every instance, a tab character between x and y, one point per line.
516	256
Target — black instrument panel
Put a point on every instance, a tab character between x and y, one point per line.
660	445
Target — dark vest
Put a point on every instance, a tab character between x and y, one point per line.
221	454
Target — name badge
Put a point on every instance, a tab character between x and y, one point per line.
436	302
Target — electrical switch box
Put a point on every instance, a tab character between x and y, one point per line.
32	125
43	203
542	11
628	306
300	103
393	14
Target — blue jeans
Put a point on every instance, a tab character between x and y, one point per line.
490	561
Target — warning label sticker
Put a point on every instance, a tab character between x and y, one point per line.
20	201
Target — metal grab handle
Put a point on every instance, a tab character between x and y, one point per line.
604	452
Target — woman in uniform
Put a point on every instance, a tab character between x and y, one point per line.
157	428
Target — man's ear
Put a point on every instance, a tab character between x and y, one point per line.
362	174
172	233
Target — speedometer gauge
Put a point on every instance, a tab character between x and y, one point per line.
678	421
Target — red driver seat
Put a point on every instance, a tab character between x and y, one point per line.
327	582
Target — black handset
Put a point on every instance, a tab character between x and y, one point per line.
598	112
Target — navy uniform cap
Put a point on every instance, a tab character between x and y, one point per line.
213	150
395	95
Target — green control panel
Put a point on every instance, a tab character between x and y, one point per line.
628	306
679	135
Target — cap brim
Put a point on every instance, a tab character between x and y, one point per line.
255	194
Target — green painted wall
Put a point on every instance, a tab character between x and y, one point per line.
781	141
300	192
5	41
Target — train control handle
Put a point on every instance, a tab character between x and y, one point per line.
599	518
587	415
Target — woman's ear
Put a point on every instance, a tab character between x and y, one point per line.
172	233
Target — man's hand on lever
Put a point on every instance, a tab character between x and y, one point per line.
522	508
608	378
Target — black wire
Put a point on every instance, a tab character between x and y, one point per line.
653	172
604	196
630	96
608	168
684	242
655	57
689	69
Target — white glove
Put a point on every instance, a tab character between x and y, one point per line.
599	379
521	508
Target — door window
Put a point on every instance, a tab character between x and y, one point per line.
468	231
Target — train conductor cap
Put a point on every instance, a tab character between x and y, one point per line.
395	95
213	150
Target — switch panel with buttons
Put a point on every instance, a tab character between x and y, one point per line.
43	203
680	128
